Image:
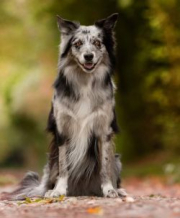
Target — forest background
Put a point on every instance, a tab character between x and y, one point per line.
147	78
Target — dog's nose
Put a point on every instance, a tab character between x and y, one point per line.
88	57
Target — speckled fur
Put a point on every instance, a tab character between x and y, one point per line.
82	119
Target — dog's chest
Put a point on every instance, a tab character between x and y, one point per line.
87	103
92	102
90	99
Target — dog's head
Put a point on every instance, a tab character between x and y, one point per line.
87	45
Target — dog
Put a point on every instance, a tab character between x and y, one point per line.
82	119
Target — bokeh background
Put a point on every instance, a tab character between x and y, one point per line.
147	77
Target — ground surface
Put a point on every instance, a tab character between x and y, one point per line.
153	198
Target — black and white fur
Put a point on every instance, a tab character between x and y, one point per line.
82	119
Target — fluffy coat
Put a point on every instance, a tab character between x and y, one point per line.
82	118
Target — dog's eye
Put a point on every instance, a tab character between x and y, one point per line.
97	43
78	44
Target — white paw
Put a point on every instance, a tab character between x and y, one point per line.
109	191
54	193
122	192
124	196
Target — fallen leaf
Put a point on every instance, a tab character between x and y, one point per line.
38	200
95	210
49	201
61	198
28	200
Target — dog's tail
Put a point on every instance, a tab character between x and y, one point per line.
30	187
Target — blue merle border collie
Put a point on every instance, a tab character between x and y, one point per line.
82	119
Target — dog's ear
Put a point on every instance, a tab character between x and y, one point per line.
107	23
66	26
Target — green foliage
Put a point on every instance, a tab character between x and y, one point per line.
147	75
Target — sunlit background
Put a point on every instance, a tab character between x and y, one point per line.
147	77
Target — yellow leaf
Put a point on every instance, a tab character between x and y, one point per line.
61	198
38	200
28	200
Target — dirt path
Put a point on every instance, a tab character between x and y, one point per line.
152	199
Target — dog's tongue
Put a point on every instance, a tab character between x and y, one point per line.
88	65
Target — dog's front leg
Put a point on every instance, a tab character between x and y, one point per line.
62	180
106	149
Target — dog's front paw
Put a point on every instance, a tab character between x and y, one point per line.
109	191
123	194
54	193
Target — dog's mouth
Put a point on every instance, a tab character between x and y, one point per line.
89	66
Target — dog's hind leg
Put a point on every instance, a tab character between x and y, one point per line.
62	180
